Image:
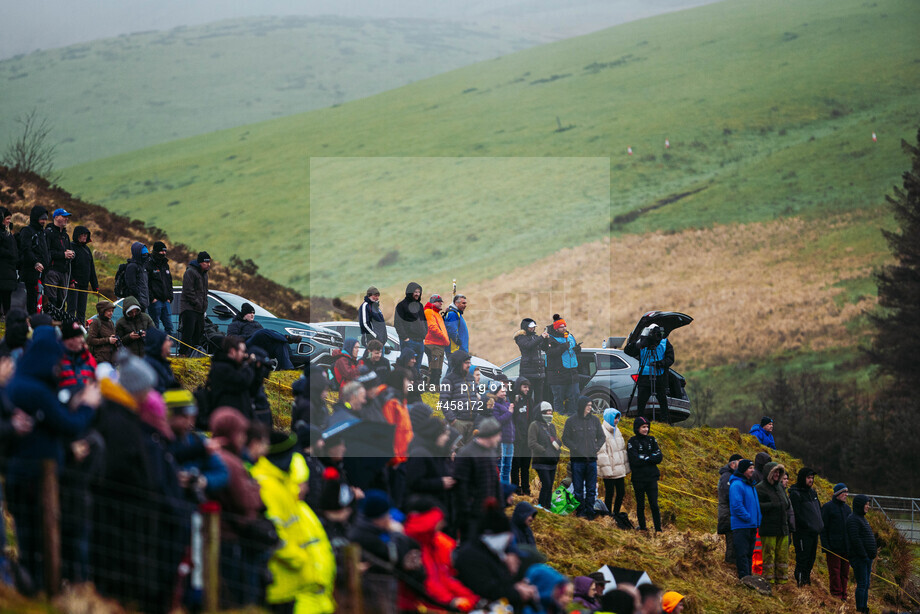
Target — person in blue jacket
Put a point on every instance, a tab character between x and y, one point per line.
456	326
744	506
764	432
554	590
33	389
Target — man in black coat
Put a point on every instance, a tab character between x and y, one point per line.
411	324
34	256
370	318
137	280
834	540
57	275
476	472
863	550
230	378
532	347
82	272
808	524
583	436
194	302
428	467
159	282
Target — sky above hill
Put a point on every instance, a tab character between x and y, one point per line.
47	24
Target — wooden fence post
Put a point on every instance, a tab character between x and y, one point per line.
51	526
210	512
354	591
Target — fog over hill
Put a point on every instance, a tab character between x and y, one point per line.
46	24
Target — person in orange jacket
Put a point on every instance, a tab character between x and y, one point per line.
396	413
437	341
442	589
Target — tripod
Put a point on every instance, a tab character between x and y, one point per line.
646	354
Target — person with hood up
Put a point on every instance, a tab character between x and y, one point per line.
863	549
16	336
411	325
370	318
193	302
476	472
585	594
9	261
835	540
458	399
554	590
764	432
744	505
240	506
436	341
34	256
525	411
522	523
584	437
34	389
159	280
562	366
345	367
424	523
137	280
724	526
483	563
644	457
101	337
760	461
808	524
310	393
456	325
56	278
157	347
613	461
533	358
303	568
82	273
545	445
428	471
131	328
774	525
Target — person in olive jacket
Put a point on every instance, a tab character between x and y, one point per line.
808	524
834	540
644	458
863	550
583	436
543	440
774	526
533	365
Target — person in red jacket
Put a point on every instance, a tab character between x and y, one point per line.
346	364
437	341
442	588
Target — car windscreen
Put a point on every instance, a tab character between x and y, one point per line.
237	303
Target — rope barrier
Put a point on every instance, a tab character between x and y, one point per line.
684	492
883	579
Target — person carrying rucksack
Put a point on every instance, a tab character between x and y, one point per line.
137	281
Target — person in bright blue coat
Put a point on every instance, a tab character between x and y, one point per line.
764	432
744	506
456	326
554	590
34	390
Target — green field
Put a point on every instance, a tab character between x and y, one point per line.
115	95
769	109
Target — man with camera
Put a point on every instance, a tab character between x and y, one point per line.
656	355
132	327
230	378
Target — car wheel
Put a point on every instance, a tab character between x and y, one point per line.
601	402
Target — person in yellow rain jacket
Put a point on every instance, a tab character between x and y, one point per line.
303	568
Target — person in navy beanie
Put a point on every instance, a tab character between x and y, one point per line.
644	457
764	432
834	540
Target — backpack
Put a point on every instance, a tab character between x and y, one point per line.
623	521
564	501
121	284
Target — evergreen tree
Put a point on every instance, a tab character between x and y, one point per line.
897	337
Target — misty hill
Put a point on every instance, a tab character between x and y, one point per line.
119	94
768	108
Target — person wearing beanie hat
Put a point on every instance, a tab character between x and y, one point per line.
583	436
82	274
644	457
458	396
436	341
135	375
543	441
159	279
244	324
303	569
78	367
370	318
525	412
808	524
834	540
744	506
612	461
562	366
764	432
672	602
863	549
276	345
345	367
724	526
476	473
532	347
132	327
193	302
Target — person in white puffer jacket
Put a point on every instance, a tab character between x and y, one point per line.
612	462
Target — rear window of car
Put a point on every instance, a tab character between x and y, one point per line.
610	362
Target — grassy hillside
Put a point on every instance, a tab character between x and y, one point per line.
769	110
119	94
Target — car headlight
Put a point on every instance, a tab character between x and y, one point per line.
300	332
